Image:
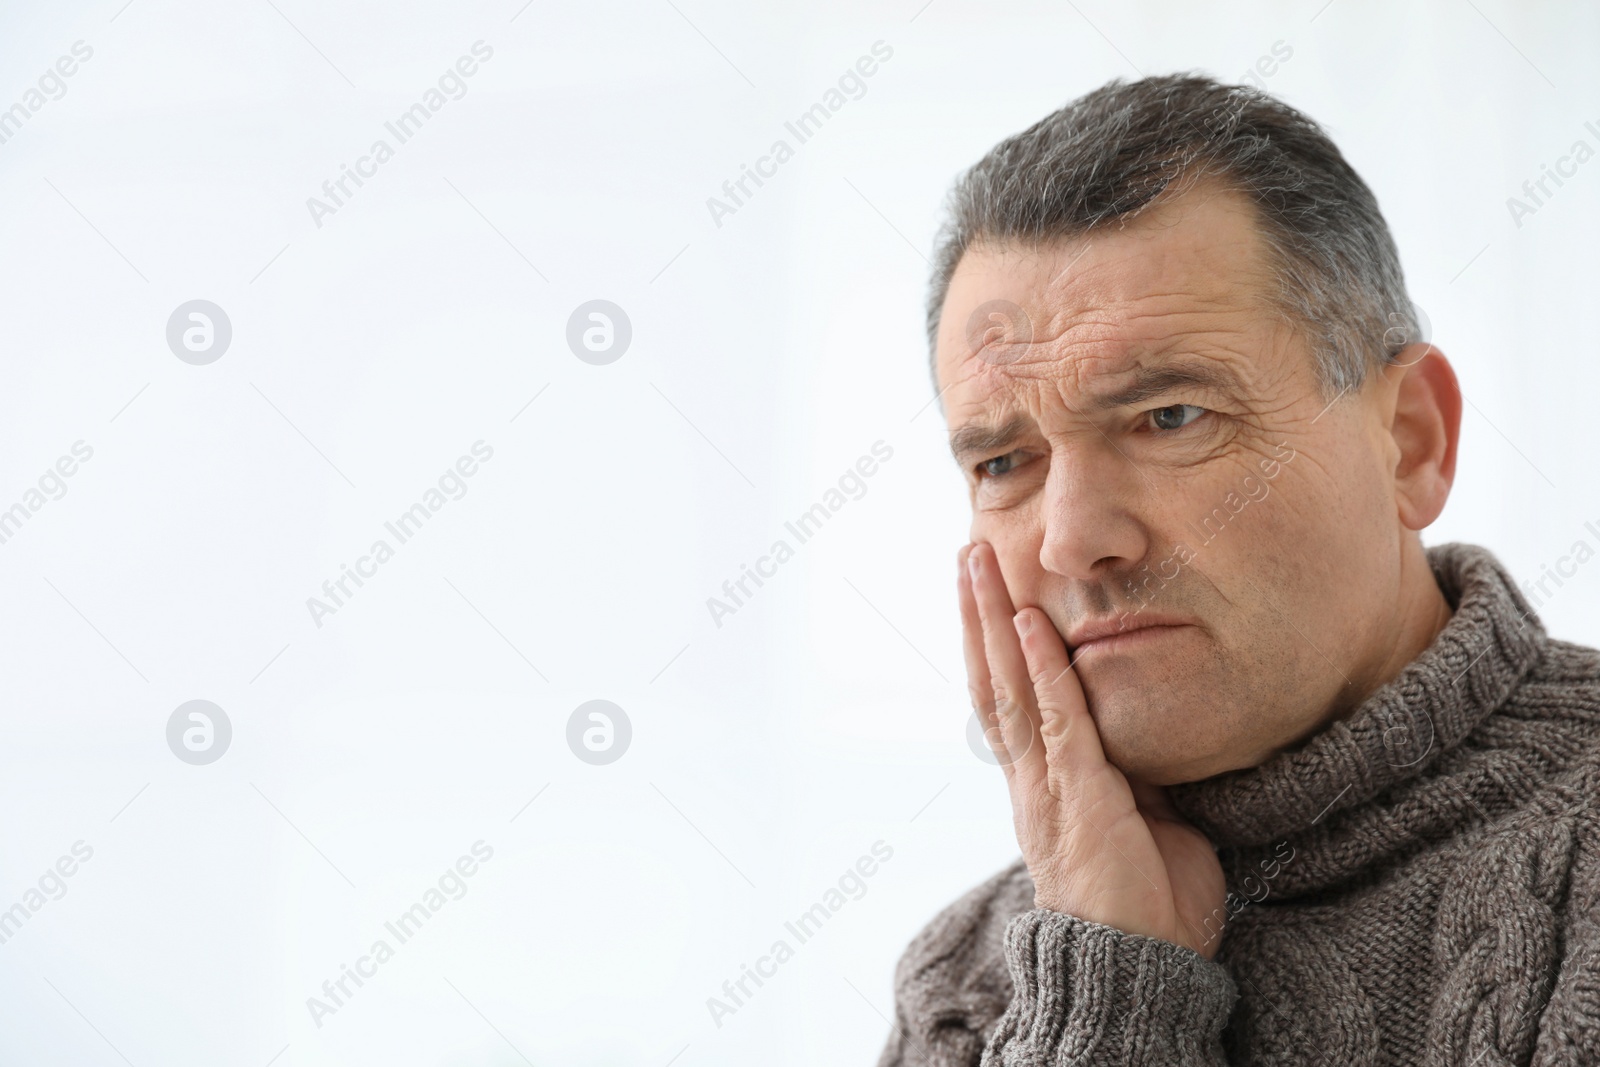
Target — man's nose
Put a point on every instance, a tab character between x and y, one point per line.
1091	520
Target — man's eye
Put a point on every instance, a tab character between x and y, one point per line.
1174	416
994	468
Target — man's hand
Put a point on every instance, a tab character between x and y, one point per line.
1099	846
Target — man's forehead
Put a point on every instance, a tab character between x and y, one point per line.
1118	357
1087	323
1184	266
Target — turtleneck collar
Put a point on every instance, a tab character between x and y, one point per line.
1400	732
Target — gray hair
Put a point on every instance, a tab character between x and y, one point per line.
1111	152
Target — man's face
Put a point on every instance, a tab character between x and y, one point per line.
1147	443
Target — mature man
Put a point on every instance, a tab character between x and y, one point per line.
1289	787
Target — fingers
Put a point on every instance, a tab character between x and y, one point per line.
1008	670
1071	738
979	687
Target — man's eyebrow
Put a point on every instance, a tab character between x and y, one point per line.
1148	382
970	440
1153	381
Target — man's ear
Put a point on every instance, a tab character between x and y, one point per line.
1426	426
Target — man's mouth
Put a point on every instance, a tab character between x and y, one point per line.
1120	635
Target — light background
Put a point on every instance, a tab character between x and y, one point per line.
769	353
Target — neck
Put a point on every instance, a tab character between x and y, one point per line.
1421	612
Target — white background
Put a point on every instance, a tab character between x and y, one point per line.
768	354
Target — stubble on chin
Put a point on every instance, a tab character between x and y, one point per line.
1162	724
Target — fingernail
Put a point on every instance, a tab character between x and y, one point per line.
1023	620
972	565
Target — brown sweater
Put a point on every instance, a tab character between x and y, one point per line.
1419	883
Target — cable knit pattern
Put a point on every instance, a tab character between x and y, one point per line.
1418	883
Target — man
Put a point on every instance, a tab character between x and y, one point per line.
1289	787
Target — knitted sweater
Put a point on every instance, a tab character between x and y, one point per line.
1418	883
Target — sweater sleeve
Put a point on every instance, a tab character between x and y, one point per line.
1092	995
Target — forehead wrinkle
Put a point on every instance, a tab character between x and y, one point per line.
1087	328
1124	345
1135	322
1011	409
994	413
1068	314
1019	395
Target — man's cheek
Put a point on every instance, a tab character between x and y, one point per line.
1019	570
989	526
1017	542
1303	510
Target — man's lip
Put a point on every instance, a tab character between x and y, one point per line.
1095	629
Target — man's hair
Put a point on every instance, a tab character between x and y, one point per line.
1111	152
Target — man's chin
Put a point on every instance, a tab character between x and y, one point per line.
1161	741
